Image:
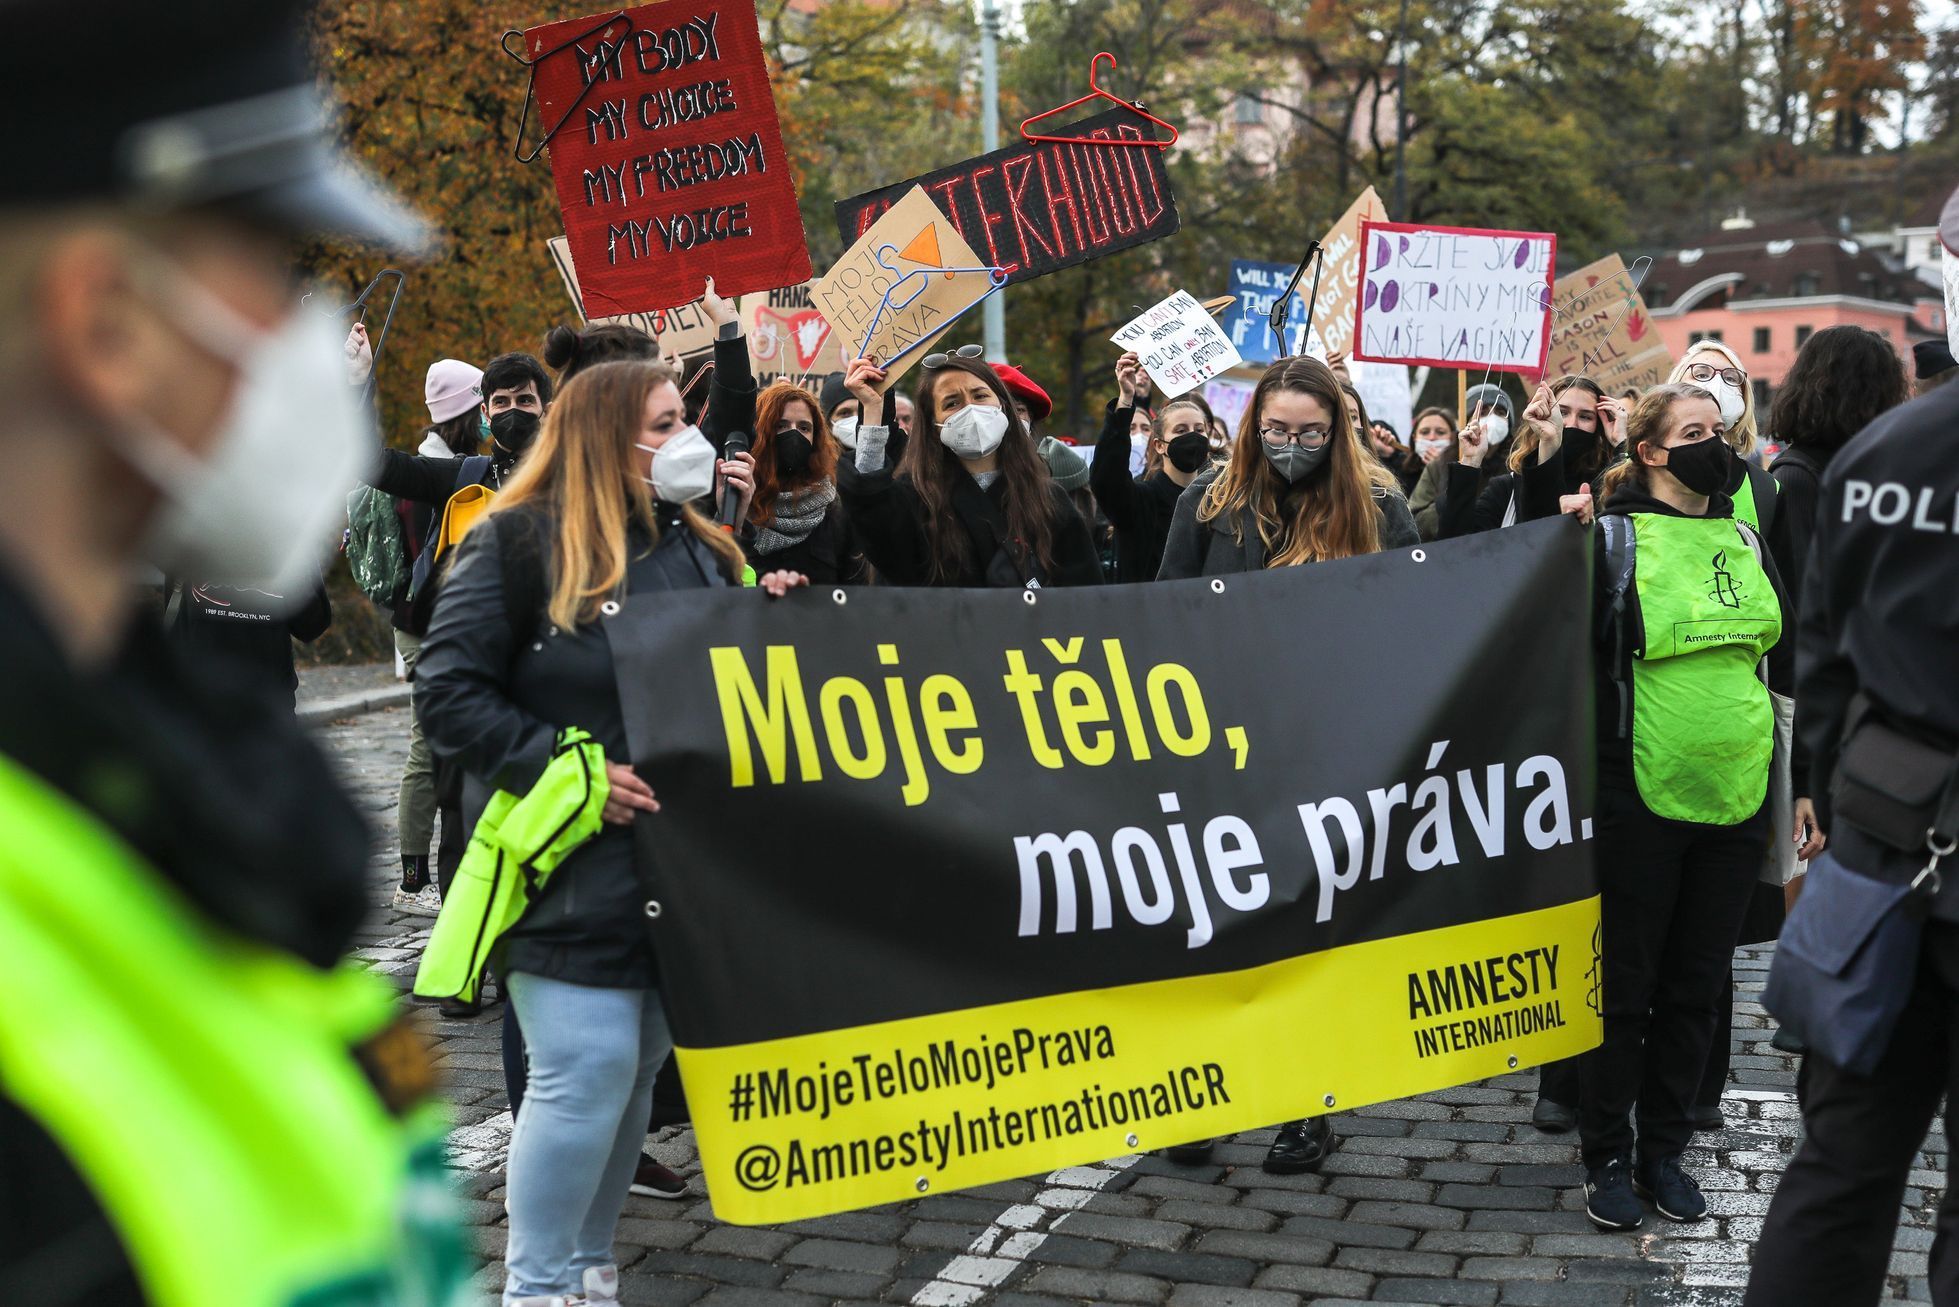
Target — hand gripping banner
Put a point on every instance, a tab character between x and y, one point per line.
957	886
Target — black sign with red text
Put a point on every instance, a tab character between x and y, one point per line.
1035	209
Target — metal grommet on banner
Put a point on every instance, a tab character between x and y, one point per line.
1217	585
1132	1141
1027	596
1513	1061
1329	1100
610	608
653	909
923	1184
839	596
1419	555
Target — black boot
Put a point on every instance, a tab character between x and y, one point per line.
1196	1153
1300	1147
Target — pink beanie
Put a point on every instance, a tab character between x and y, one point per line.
454	387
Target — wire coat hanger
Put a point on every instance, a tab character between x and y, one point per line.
1095	92
530	86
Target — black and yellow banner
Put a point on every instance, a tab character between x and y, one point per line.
957	886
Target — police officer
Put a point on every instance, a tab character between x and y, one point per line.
198	1103
1880	620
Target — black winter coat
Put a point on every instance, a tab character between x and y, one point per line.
890	520
1139	509
831	554
1208	548
496	682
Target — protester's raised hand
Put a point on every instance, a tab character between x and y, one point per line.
627	796
1336	360
778	584
359	355
719	311
1132	383
1580	505
1470	445
1612	420
862	379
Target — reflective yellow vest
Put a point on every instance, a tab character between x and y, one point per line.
206	1088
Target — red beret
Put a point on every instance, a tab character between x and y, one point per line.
1022	387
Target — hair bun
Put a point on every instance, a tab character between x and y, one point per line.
561	346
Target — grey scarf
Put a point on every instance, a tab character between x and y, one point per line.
797	513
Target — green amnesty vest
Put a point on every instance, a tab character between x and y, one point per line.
517	844
210	1091
1703	729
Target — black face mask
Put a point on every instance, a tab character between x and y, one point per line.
792	451
1189	451
513	430
1702	467
1579	438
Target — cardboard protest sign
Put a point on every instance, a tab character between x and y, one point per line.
788	339
1385	394
684	332
1034	209
1180	345
1600	328
1031	976
901	286
1454	297
669	162
1258	284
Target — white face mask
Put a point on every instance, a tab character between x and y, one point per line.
262	508
1496	428
974	431
1431	444
1728	397
1950	264
683	468
845	430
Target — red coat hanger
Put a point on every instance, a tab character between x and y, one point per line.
1095	92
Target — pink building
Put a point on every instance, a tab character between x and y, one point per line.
1763	291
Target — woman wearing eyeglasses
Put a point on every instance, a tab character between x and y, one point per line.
1717	369
969	502
798	523
1140	508
1298	486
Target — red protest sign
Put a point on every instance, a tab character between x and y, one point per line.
667	155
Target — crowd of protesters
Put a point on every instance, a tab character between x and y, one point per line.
851	481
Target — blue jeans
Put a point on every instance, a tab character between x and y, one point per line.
593	1054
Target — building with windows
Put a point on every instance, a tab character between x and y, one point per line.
1764	290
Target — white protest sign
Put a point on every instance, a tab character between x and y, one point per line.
1454	297
1180	345
1385	394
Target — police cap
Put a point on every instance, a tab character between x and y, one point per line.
191	104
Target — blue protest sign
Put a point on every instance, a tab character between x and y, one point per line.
1257	285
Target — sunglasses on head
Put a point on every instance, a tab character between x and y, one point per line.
936	361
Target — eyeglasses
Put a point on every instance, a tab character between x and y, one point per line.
1707	372
936	361
1311	437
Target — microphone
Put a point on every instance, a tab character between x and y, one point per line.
736	443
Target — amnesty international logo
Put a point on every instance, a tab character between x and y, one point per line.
1725	590
1595	973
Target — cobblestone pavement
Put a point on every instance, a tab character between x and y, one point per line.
333	680
1448	1198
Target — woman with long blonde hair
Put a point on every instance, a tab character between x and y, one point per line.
1298	487
600	514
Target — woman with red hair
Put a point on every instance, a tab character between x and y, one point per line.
797	523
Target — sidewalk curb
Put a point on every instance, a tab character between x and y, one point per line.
318	712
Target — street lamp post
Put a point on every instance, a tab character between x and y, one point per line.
994	319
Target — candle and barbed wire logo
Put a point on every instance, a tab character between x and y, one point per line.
1725	591
1594	974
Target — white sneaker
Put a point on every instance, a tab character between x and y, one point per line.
601	1286
549	1300
427	902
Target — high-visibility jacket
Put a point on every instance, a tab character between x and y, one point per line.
254	1129
517	844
